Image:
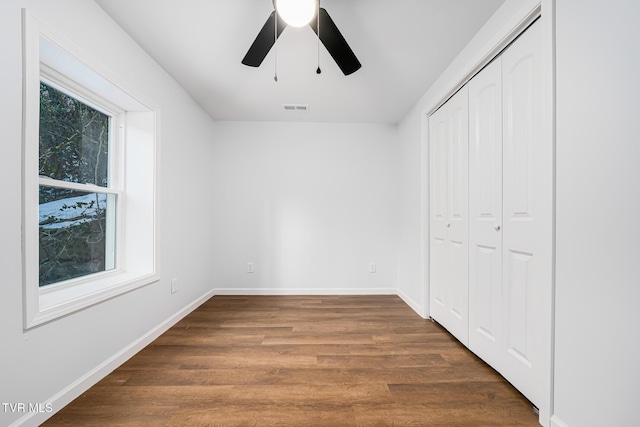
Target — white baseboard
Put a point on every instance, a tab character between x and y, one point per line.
305	291
82	384
419	309
557	422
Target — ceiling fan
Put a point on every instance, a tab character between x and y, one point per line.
321	23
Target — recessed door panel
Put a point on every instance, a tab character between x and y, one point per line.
517	299
439	171
458	283
487	292
520	135
458	160
438	271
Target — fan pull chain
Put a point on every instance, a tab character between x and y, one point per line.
318	70
275	49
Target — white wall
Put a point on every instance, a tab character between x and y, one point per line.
598	210
413	247
309	204
41	365
412	252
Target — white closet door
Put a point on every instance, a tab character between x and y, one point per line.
449	300
527	202
509	210
486	329
438	260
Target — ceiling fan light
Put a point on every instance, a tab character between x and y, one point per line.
297	13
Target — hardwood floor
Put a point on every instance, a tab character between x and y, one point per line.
302	361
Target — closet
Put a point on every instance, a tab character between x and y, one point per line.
490	212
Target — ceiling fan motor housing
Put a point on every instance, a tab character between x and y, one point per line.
321	23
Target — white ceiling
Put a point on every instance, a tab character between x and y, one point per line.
403	45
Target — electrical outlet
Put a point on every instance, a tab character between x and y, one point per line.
249	267
372	267
174	286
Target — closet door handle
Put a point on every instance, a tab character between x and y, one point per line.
496	227
448	225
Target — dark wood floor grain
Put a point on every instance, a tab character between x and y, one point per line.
302	361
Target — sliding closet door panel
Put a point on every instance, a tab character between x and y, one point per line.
486	337
438	142
458	223
526	202
448	142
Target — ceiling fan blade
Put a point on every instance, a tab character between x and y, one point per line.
263	42
335	43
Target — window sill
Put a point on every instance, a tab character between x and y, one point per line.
65	299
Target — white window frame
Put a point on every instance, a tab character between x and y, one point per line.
117	125
50	58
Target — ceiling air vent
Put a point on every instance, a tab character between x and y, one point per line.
296	107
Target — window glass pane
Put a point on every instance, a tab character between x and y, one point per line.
74	139
76	233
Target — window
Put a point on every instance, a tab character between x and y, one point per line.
77	196
89	180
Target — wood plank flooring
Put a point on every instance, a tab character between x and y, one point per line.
302	361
